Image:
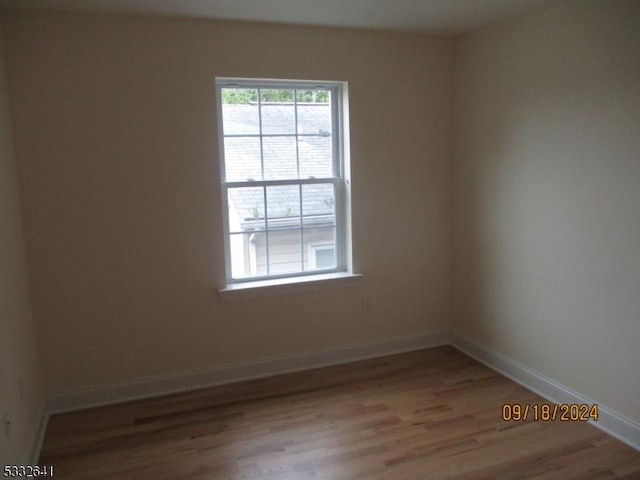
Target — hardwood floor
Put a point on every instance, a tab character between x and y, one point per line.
423	415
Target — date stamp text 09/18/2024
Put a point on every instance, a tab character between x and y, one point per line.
546	412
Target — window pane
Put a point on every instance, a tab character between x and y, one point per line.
246	209
318	205
278	119
283	207
247	254
313	96
315	155
319	246
240	111
279	158
276	95
242	159
325	257
285	253
314	118
278	111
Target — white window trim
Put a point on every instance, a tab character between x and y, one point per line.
288	286
342	275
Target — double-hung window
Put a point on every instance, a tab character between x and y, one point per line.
283	178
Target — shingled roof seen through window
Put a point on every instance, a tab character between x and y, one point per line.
287	153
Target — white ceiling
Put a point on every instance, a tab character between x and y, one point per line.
431	16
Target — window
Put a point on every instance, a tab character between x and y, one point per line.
283	178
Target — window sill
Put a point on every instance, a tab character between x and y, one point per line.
288	286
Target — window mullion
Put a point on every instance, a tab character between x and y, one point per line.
276	183
266	228
338	194
256	135
260	133
301	229
295	119
336	126
264	188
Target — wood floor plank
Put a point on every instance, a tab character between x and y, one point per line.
430	414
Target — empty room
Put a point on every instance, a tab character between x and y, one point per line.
295	239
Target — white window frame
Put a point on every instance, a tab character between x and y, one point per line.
314	248
340	180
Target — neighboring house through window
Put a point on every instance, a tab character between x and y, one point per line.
283	178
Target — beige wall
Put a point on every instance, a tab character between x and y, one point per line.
115	130
21	395
547	195
115	126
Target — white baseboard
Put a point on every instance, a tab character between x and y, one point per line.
38	437
609	421
233	372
